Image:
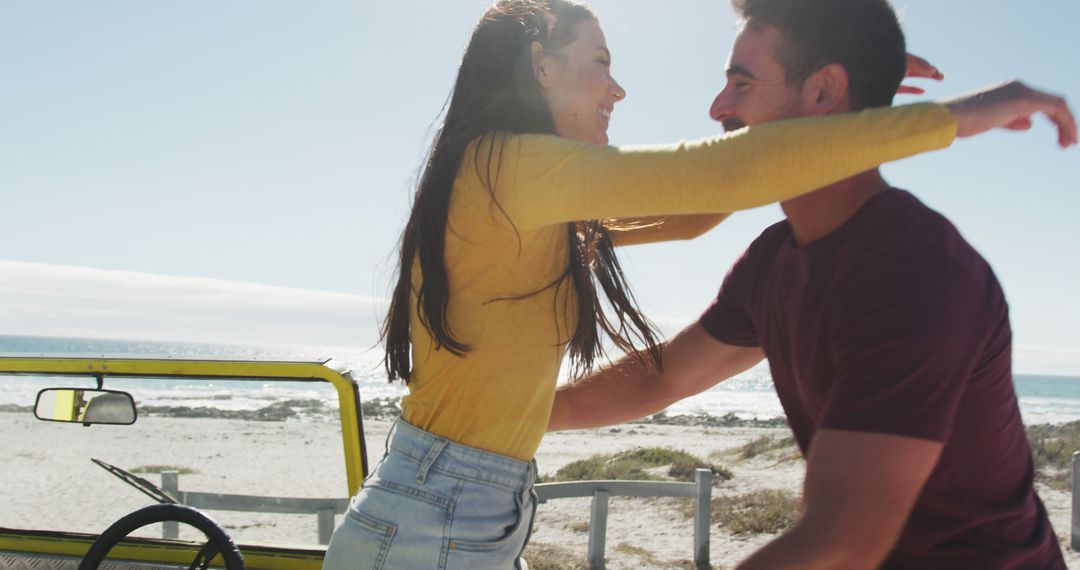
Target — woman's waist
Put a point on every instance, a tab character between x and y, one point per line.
505	420
441	454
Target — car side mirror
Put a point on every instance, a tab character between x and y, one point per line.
85	406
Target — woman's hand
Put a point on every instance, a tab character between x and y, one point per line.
919	67
1010	106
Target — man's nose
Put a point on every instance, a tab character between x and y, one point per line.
721	107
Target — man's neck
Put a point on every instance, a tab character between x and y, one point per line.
819	213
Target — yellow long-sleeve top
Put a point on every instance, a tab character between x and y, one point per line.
498	396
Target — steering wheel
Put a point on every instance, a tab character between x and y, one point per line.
219	541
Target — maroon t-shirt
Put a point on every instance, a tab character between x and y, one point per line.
894	324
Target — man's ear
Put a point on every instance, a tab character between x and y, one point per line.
826	91
541	66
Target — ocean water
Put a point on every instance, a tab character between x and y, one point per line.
1043	399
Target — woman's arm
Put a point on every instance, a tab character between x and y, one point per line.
550	180
634	231
654	229
545	180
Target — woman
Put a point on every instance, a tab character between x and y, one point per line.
500	264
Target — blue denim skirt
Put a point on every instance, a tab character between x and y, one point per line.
432	503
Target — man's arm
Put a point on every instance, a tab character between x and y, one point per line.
860	488
693	362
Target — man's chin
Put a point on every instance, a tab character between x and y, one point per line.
732	125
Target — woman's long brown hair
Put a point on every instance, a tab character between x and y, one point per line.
496	92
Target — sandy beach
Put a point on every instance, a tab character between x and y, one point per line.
49	482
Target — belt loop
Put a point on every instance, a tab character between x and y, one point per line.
390	434
429	459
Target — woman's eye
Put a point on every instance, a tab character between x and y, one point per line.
604	62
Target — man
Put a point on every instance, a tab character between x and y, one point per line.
887	335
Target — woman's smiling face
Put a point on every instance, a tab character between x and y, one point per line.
577	85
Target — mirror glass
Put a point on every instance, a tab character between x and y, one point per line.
85	406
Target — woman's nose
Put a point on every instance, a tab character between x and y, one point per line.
617	90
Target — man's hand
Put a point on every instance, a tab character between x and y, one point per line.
1010	106
919	67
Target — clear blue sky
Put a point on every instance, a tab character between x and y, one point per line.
275	142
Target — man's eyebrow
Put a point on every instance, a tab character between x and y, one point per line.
739	70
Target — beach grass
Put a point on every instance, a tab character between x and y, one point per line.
580	527
639	464
778	448
542	556
767	511
637	552
648	558
1052	448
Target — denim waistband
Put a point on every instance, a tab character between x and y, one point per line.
437	453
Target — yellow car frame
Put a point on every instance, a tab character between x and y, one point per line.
60	546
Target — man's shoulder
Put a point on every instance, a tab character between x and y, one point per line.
771	239
903	243
898	224
900	214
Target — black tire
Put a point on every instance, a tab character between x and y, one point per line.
230	554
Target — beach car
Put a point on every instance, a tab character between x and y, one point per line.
169	463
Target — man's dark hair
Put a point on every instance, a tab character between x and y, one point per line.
863	36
